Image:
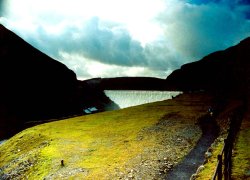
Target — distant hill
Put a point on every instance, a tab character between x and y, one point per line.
92	95
36	87
226	71
132	83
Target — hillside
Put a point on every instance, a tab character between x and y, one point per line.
127	143
225	71
226	74
133	83
37	87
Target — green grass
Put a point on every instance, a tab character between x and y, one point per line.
241	153
210	166
106	145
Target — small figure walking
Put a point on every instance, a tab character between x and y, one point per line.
211	111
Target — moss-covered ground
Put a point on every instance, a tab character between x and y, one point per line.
138	142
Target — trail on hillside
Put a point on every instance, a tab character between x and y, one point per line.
195	158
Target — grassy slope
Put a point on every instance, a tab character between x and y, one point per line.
241	153
134	142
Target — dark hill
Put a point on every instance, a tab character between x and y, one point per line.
35	86
92	95
133	83
226	71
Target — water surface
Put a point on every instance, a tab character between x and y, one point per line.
2	141
128	98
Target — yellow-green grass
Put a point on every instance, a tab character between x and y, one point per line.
107	145
210	167
241	153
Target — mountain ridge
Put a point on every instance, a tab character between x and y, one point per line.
222	71
133	83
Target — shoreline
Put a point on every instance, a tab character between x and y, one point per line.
2	141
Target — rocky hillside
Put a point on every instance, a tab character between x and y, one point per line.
222	71
35	86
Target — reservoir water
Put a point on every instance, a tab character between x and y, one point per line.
2	141
128	98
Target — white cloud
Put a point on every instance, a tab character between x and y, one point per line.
89	68
135	15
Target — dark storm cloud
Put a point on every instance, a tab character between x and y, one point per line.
231	2
244	4
199	2
197	30
110	46
95	41
2	7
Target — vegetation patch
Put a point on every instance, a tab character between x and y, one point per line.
211	162
241	153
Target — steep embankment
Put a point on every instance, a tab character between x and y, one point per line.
241	153
141	142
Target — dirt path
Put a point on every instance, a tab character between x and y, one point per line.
195	158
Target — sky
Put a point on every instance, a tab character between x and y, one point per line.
111	38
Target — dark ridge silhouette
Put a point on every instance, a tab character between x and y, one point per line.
226	71
35	86
133	83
